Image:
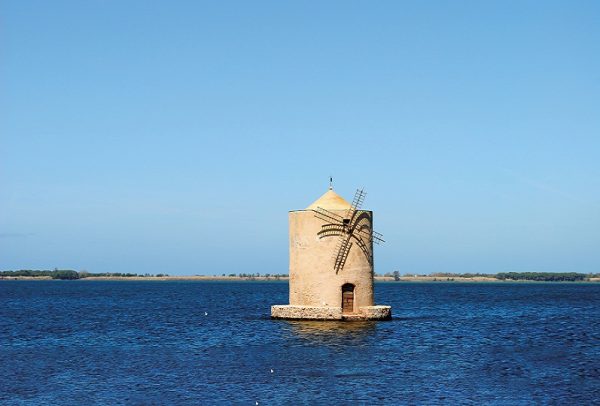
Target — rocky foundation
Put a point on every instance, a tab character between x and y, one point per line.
330	313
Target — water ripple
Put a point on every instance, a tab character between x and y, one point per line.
142	343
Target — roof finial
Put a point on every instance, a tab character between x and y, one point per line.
330	183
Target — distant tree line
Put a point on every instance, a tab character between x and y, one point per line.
55	274
258	275
516	276
460	275
69	274
543	276
395	275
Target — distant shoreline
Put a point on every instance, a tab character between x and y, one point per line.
431	279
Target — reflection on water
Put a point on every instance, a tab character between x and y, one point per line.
318	330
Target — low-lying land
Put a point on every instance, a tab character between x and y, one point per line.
68	274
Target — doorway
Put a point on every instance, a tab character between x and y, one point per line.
348	298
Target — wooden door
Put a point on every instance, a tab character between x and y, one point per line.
348	298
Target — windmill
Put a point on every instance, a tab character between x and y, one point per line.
355	227
332	225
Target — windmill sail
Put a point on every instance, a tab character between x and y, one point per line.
359	198
343	249
328	216
348	227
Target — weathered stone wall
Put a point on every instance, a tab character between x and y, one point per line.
376	312
329	313
313	280
306	312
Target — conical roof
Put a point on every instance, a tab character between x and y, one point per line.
330	201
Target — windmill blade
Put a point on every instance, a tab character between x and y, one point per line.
328	216
375	236
329	230
342	253
365	232
357	201
357	218
378	238
365	249
362	226
359	198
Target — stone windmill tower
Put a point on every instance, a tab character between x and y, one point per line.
331	262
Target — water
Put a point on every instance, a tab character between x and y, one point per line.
144	343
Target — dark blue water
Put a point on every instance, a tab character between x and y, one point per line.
142	343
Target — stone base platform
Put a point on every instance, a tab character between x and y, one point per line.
329	313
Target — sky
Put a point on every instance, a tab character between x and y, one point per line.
175	136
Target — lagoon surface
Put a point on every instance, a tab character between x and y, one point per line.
152	343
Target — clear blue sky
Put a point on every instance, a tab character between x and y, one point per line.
174	136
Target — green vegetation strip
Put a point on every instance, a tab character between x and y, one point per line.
68	274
